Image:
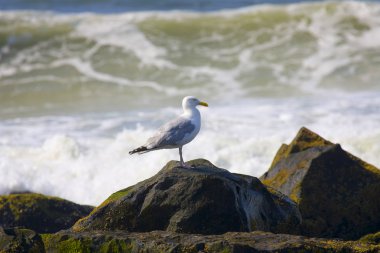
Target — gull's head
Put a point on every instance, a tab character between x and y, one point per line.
190	102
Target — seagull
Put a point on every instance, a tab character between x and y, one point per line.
178	132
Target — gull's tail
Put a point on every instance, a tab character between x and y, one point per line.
139	150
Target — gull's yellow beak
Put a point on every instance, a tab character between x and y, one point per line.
203	103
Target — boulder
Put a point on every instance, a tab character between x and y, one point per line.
43	214
338	194
164	241
371	238
15	240
204	199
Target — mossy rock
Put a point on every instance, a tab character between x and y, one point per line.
371	238
204	199
164	241
337	193
43	214
15	240
305	139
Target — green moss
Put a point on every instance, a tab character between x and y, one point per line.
296	193
354	246
278	180
371	238
74	245
70	244
219	247
226	250
62	243
281	154
114	197
114	246
281	178
306	139
19	202
119	194
47	239
41	213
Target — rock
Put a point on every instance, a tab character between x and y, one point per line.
15	240
338	194
40	213
371	238
164	241
204	199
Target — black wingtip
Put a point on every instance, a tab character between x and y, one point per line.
138	150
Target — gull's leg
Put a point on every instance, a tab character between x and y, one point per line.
181	159
180	156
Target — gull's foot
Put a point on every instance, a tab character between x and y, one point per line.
184	165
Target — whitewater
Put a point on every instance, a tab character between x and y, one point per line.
80	90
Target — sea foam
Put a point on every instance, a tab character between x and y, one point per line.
85	158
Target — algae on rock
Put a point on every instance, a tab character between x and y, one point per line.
43	214
164	241
337	193
371	238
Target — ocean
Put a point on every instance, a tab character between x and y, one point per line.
84	82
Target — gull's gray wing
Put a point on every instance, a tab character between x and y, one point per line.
171	134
